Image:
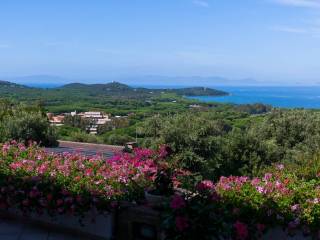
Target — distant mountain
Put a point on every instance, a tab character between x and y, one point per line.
6	83
11	85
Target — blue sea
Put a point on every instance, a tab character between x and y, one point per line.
286	97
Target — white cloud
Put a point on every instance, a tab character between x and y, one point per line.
289	29
300	3
309	28
201	3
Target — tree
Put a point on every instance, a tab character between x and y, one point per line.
26	126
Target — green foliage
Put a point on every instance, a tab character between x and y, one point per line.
76	122
291	132
84	137
115	139
115	123
26	124
230	143
256	108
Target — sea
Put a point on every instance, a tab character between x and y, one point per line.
284	97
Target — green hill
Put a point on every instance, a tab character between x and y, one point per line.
81	96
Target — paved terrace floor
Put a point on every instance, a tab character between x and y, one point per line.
87	149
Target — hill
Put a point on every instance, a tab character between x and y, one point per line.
114	88
112	96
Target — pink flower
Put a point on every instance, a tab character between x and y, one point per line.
164	151
177	202
88	172
241	230
267	176
205	185
181	223
260	189
280	166
255	181
295	207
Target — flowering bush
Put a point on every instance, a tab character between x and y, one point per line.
232	208
33	180
244	208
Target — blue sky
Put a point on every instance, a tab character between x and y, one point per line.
268	40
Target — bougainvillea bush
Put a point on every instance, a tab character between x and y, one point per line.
244	208
33	180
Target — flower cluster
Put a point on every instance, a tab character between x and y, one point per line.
34	180
238	207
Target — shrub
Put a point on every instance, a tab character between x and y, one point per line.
115	139
26	126
84	137
218	144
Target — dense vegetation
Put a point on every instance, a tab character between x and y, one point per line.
112	97
215	145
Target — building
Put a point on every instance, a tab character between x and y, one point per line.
56	120
94	115
97	119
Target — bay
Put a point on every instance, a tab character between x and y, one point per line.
286	97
